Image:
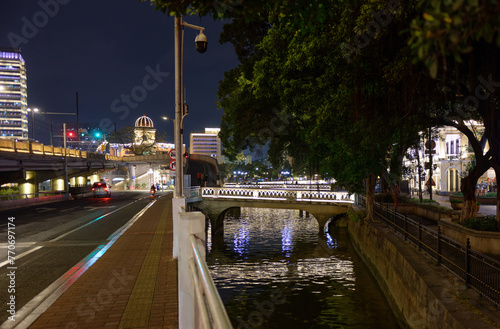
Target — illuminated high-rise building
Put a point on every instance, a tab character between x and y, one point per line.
207	143
13	95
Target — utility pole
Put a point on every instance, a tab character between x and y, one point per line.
431	149
77	123
178	189
51	134
66	189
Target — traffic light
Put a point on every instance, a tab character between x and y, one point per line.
97	134
186	155
71	134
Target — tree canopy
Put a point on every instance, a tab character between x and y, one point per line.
345	86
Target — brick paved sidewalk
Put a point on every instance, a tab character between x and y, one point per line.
133	285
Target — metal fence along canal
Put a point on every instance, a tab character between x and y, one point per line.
477	270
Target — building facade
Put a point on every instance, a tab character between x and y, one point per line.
13	95
207	143
452	157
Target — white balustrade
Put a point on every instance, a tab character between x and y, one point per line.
284	195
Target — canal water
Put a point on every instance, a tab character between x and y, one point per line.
273	270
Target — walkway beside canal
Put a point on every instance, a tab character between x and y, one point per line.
131	285
422	293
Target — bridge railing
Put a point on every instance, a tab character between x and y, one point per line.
8	145
199	302
192	191
281	185
306	196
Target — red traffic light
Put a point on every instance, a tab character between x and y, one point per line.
186	155
71	134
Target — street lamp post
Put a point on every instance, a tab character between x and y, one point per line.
66	189
33	122
201	46
178	99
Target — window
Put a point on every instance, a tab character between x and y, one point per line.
457	145
447	148
451	147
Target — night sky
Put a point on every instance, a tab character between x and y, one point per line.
119	56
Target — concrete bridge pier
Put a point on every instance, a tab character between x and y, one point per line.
30	185
78	181
217	220
57	184
216	213
322	219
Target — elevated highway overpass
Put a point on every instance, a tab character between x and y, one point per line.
29	163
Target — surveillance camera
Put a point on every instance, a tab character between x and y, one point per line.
201	42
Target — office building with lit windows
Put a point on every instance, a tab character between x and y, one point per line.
207	143
13	95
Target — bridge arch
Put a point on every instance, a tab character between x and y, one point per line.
217	210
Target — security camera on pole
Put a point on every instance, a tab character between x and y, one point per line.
181	111
184	224
180	108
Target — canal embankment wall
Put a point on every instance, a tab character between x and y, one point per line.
421	293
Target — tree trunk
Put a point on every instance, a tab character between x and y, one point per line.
419	173
497	172
468	188
370	192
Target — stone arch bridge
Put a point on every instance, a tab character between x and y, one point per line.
216	202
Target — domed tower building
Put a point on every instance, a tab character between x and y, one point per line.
144	136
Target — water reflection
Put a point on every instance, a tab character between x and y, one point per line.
275	271
286	240
241	238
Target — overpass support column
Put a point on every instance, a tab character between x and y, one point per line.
80	181
57	184
30	185
94	178
131	176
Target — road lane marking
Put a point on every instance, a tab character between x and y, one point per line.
44	209
70	209
2	264
41	302
18	244
89	223
90	208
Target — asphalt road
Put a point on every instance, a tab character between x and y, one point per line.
50	239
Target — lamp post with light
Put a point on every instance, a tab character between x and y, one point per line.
33	121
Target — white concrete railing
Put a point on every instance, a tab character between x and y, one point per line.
200	305
212	313
281	185
259	194
192	191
